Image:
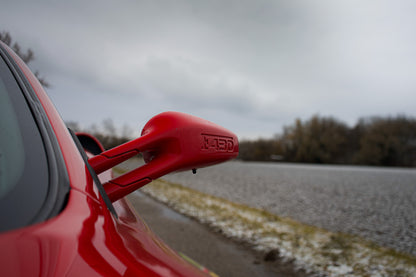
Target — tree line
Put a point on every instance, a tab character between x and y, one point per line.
107	133
378	141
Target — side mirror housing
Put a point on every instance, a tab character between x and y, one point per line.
169	142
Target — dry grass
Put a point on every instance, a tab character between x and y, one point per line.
313	249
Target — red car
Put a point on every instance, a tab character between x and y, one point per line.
58	218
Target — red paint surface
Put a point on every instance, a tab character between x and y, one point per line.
170	142
85	239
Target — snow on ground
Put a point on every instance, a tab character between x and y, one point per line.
316	250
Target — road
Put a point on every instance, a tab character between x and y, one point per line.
221	255
376	203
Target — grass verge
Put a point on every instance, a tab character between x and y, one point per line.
311	248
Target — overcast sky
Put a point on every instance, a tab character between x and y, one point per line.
251	66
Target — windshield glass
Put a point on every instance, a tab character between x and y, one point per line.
24	178
11	144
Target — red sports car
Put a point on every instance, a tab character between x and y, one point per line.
62	212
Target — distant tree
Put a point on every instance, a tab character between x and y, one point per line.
245	150
318	140
109	135
381	141
259	150
27	56
292	140
387	141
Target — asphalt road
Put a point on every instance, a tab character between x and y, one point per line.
219	254
376	203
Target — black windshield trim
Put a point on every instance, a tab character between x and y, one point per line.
94	176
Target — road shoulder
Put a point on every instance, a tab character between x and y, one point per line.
221	255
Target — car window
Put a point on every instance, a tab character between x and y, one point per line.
23	161
11	144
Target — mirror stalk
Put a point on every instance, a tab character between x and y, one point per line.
170	142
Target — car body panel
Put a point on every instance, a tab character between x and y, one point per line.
85	238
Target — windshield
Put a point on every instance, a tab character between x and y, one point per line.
24	175
11	144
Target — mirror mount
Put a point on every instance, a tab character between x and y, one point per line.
169	142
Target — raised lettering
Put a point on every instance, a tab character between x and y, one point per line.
217	143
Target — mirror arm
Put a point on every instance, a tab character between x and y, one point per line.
135	179
103	162
119	154
170	142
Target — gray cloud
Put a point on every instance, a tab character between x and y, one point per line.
250	65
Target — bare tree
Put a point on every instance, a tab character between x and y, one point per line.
27	56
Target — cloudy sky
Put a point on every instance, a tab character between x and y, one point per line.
251	66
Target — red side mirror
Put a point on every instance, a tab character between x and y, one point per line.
170	141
